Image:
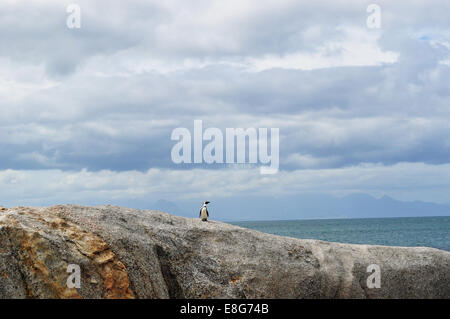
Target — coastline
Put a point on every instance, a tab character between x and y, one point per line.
427	231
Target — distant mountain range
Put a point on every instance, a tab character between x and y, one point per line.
316	206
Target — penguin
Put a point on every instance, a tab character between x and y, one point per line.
204	212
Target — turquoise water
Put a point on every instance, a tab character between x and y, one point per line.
410	231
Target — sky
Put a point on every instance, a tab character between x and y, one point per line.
87	113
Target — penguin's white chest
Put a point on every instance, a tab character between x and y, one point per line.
203	213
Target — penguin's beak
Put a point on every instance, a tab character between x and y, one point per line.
206	202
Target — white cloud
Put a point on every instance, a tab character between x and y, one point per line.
357	48
406	181
107	96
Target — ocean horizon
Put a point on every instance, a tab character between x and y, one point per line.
390	231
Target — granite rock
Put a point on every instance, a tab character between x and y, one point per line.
128	253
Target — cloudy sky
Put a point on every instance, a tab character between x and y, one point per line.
87	113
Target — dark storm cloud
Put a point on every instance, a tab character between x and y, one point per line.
112	126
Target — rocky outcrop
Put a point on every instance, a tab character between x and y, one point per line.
126	253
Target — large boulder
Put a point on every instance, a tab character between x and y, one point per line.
127	253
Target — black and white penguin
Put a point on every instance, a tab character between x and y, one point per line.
204	212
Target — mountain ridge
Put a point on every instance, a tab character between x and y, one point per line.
313	206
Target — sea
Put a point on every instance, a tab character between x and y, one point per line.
403	231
